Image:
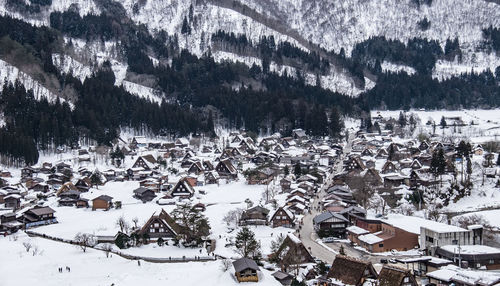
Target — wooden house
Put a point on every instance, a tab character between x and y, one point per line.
68	186
38	216
415	165
83	184
354	164
282	217
182	189
395	276
245	270
102	202
226	170
161	225
292	252
196	168
381	154
394	181
330	224
372	177
144	194
181	142
12	201
254	216
28	172
212	177
283	277
147	162
389	167
260	176
285	184
351	271
40	187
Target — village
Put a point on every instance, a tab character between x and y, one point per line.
386	205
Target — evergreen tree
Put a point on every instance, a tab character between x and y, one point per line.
402	119
286	171
336	123
160	241
246	244
185	29
443	122
438	163
297	170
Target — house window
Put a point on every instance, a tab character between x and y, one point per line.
430	239
157	224
152	230
162	229
455	242
406	280
380	245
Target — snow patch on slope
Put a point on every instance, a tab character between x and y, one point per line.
388	66
221	56
67	64
142	91
10	73
477	62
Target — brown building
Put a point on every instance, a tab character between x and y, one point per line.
282	217
351	271
292	252
396	276
245	270
388	238
102	202
162	225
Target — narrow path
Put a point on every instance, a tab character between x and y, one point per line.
307	233
128	256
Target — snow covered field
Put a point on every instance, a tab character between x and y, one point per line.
486	123
93	268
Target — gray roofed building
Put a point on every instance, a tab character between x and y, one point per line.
244	263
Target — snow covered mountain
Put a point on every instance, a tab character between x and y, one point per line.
310	25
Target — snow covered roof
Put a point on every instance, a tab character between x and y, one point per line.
294	239
327	215
471	249
452	273
413	224
357	230
370	238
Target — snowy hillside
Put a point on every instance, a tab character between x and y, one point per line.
336	24
329	24
9	73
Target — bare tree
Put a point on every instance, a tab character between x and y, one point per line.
84	240
34	250
107	249
232	217
122	224
27	245
135	220
225	265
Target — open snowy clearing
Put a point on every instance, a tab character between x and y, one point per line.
94	268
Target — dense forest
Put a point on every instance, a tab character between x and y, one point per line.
282	104
492	38
401	91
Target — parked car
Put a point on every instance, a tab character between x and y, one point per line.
384	261
328	239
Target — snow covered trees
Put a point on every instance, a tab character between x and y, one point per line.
193	224
84	240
